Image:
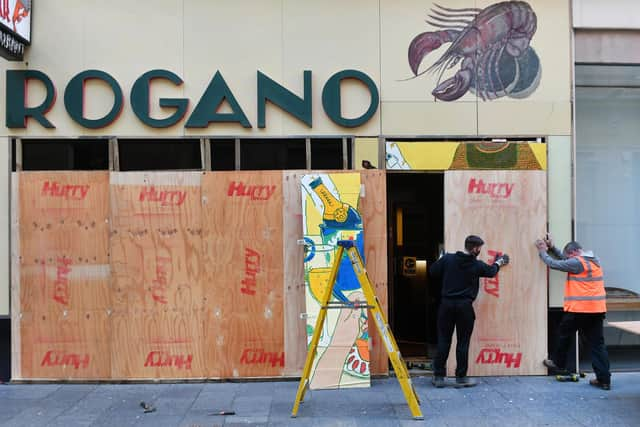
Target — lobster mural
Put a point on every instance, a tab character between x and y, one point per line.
492	46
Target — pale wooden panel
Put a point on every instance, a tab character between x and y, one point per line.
64	236
160	343
157	269
510	334
66	345
242	232
374	216
156	241
16	352
295	334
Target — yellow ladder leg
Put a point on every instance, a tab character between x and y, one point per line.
388	339
313	346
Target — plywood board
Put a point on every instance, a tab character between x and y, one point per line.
64	236
66	345
242	231
295	333
156	264
508	210
16	339
373	205
158	343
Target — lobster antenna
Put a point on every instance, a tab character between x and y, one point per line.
447	9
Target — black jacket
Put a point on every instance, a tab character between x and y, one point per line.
460	273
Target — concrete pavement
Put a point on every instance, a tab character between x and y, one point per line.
496	401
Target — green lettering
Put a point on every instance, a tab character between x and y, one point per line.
300	108
140	99
74	99
206	110
17	111
331	98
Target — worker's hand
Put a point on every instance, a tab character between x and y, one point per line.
548	240
502	260
541	245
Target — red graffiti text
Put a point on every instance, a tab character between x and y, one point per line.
159	359
67	192
61	285
165	198
492	284
490	356
254	192
61	358
160	284
251	268
257	356
492	189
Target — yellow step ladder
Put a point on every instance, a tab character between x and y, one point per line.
389	341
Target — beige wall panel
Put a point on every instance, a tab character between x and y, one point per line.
327	37
237	39
623	14
524	118
366	149
560	195
510	333
400	22
429	118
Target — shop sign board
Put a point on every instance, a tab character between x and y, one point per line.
206	109
15	28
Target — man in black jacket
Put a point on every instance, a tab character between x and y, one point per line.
460	274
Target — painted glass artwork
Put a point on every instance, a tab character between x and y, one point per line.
330	213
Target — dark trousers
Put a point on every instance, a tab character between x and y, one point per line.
589	326
458	314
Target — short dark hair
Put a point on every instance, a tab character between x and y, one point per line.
472	242
571	247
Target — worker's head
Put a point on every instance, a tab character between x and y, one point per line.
572	249
473	245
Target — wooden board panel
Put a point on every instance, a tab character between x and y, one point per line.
158	343
157	270
16	340
63	296
66	345
64	235
374	212
295	334
508	210
242	217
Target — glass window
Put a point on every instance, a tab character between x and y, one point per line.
153	154
223	154
608	168
326	154
55	154
272	154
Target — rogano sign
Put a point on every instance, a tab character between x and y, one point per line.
205	111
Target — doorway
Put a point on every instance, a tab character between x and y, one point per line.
416	224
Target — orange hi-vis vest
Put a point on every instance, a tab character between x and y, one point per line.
584	292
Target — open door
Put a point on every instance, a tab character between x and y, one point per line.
508	209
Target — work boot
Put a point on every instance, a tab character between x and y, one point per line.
464	382
550	364
438	382
605	386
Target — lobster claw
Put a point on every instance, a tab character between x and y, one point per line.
424	43
453	88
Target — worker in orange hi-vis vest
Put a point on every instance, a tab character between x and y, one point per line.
585	306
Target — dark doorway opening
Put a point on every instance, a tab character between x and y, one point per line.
416	218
